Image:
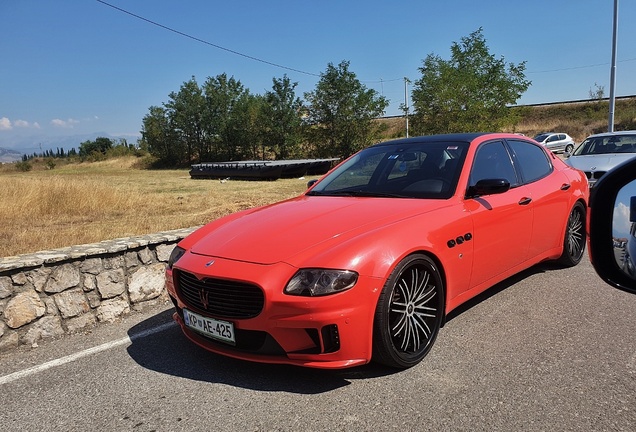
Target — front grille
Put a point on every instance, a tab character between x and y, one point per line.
594	175
218	297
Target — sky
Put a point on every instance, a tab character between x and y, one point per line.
72	69
621	223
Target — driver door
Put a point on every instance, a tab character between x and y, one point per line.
502	222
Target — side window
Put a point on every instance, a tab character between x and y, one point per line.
531	159
492	161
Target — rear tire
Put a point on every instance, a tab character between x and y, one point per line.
574	241
409	313
569	148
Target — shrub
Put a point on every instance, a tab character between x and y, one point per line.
23	166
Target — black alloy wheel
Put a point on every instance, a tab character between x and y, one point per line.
574	241
409	313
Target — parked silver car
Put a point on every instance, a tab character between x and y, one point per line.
556	142
601	152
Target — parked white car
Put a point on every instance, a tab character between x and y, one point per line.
556	142
601	152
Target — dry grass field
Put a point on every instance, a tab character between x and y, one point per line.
89	202
579	120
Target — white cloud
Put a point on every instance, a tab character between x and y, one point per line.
70	123
5	124
21	123
620	223
36	125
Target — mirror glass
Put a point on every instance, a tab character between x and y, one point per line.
624	229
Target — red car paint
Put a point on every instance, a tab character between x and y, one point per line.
474	242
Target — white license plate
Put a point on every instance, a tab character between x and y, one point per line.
217	329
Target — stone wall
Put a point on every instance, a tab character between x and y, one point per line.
51	293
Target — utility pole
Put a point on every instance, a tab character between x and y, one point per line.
406	103
612	96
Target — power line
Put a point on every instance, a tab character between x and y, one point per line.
206	42
180	33
381	81
580	67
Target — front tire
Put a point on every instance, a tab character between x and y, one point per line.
409	313
574	241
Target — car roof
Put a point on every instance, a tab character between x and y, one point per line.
464	137
551	133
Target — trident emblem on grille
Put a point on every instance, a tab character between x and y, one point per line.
204	297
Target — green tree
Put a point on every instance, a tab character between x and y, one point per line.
468	93
222	95
95	149
159	138
243	129
281	120
185	111
340	113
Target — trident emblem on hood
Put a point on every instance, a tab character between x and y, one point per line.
204	296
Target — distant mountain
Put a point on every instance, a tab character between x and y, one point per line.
7	155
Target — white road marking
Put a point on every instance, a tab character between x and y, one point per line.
631	364
72	357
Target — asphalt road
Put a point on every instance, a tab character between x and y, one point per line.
549	350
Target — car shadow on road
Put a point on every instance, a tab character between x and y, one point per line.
501	286
169	352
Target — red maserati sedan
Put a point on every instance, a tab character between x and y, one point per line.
366	264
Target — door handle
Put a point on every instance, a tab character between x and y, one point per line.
525	201
565	186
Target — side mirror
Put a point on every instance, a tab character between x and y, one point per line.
612	226
310	183
488	187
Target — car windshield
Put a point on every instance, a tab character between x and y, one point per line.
412	170
607	144
541	137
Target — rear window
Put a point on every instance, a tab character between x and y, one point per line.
531	160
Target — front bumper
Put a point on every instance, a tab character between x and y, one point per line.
330	332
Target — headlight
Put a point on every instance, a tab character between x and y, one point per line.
177	253
319	282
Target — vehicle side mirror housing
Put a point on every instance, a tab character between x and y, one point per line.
488	187
611	226
310	183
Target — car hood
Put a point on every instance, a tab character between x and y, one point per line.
601	162
276	233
